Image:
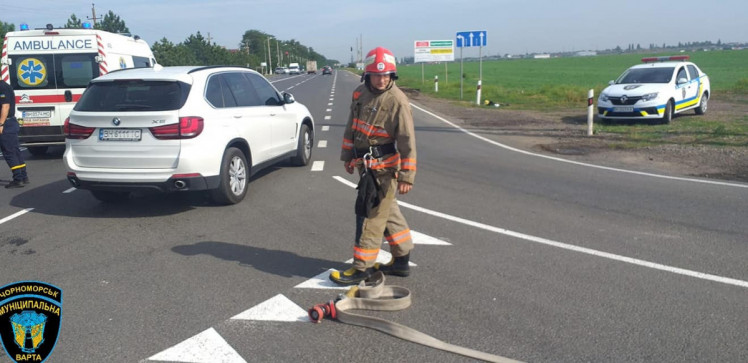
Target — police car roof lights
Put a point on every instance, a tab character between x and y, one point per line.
666	58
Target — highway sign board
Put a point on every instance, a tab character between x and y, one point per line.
434	51
472	39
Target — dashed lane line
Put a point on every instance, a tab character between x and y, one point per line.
15	215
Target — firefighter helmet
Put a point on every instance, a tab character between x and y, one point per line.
380	60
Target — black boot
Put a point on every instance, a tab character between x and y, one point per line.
398	266
350	276
14	184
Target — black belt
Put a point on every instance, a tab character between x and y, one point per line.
377	151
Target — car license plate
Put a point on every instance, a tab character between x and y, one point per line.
119	134
36	114
623	109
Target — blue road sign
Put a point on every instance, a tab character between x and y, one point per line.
471	39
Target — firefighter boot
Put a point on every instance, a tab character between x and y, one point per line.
350	276
397	266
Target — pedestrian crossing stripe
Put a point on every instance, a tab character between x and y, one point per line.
277	308
206	347
209	346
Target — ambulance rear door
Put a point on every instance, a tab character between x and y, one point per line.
48	75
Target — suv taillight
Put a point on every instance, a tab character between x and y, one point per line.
73	131
187	128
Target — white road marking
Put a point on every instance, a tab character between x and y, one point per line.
325	128
14	215
328	110
321	281
322	144
277	308
208	347
423	239
566	246
328	117
70	190
318	165
577	162
329	104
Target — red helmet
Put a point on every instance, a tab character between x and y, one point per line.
380	60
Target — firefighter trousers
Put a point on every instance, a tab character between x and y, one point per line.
12	155
385	221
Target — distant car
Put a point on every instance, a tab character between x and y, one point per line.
326	70
175	129
294	70
657	89
281	70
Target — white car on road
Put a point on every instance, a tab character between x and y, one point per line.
182	129
657	89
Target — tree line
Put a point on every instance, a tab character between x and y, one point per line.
254	48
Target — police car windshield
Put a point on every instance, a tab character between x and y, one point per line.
133	95
647	75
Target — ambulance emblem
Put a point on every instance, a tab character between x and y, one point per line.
32	72
30	314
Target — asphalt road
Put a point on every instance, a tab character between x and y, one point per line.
531	258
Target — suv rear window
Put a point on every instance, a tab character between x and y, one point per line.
133	95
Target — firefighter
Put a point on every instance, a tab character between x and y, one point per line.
9	137
379	139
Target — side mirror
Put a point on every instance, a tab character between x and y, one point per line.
611	82
682	81
288	98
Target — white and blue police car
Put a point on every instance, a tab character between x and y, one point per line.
657	89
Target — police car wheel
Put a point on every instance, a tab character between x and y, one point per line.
304	151
668	115
107	196
233	179
701	109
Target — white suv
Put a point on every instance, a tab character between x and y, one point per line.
657	89
182	129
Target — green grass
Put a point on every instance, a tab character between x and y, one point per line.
563	84
544	84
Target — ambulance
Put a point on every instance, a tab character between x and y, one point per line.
50	68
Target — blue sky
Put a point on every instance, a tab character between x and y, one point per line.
332	27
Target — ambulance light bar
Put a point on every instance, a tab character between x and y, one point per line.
666	58
23	26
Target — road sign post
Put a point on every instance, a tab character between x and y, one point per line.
472	39
432	51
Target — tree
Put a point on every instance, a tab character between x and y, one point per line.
4	28
74	22
168	54
112	23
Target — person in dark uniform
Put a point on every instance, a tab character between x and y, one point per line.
9	128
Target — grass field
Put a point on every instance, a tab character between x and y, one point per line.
563	83
541	84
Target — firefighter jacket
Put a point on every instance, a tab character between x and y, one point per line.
381	118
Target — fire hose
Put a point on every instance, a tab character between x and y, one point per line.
373	294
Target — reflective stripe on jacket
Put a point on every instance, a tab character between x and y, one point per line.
378	119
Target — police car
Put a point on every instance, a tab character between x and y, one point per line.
657	89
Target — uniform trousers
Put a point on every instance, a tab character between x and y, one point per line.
385	220
12	155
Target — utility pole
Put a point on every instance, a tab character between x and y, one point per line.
93	13
209	38
270	59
